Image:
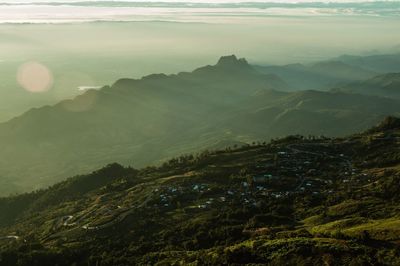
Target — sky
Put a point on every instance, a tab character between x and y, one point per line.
168	38
193	1
220	11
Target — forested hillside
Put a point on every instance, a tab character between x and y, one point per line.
295	200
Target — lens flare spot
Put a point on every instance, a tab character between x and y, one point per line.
34	77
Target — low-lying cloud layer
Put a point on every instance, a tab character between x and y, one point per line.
81	11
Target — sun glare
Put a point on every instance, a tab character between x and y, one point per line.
34	77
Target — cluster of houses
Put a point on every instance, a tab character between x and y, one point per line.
305	168
277	176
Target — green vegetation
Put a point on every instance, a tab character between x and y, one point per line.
296	200
147	121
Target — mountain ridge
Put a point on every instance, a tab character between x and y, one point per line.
147	121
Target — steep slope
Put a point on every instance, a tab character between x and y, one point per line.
137	122
386	85
150	117
295	200
71	189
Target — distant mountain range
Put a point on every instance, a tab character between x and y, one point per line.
386	85
145	121
318	76
387	63
336	72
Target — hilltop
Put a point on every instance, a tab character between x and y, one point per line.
295	200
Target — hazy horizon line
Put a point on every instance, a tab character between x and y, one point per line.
199	2
81	11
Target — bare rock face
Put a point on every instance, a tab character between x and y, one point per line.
232	60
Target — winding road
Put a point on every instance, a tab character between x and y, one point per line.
120	217
9	237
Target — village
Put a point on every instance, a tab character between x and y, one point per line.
291	170
277	174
